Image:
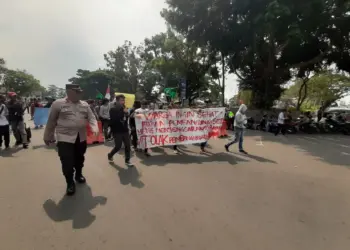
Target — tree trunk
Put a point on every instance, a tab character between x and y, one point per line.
223	79
302	94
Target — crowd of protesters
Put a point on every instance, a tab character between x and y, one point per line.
12	111
66	126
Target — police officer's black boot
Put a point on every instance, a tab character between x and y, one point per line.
70	186
79	177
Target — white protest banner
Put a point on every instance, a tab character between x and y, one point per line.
178	126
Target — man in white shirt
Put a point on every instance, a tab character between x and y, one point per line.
280	122
140	112
104	117
4	124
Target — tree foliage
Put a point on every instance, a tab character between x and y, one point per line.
328	87
159	62
93	82
126	67
21	82
2	69
55	92
323	88
172	58
265	41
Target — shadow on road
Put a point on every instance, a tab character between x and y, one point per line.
51	147
75	208
9	152
324	147
255	157
182	158
128	176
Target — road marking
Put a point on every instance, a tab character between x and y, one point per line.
260	143
344	153
301	150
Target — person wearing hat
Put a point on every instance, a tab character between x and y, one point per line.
69	117
15	117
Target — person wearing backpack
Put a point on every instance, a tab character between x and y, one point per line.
4	124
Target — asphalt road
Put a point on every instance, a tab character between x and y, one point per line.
289	193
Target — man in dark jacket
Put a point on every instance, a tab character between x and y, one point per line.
16	111
119	125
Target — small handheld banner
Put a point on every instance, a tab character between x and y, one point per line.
40	116
178	126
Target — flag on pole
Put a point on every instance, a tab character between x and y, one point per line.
99	96
108	93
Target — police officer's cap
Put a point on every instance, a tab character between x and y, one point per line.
74	87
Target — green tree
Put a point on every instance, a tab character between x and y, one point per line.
21	82
264	41
213	92
52	91
323	88
328	87
298	91
61	93
2	69
93	82
174	59
245	96
2	65
126	67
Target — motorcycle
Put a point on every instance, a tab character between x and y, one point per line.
309	126
291	127
250	123
262	124
336	126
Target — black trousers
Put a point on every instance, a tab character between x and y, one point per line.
5	135
281	128
105	127
72	158
133	136
119	139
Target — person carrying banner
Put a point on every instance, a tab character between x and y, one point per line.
119	125
68	117
37	104
132	124
239	124
138	113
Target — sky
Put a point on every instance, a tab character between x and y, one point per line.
52	39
